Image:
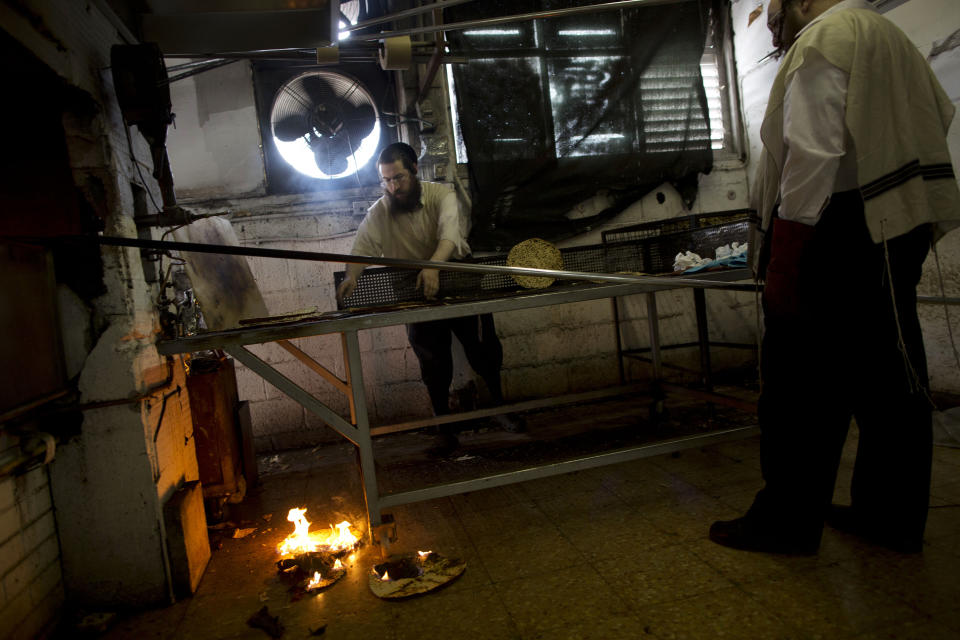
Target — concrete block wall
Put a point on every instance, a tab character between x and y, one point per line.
562	349
31	585
568	348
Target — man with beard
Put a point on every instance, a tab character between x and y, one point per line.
418	220
854	183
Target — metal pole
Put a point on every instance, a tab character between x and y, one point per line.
440	4
653	320
211	64
372	260
521	17
703	338
364	442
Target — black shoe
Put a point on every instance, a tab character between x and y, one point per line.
747	534
846	519
444	446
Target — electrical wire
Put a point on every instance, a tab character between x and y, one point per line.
162	300
402	119
913	378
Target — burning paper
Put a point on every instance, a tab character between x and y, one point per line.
402	576
338	538
310	560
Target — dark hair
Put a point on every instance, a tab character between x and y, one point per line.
399	151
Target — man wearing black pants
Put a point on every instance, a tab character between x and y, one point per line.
842	355
431	341
854	184
423	221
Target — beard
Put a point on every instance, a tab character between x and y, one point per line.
407	200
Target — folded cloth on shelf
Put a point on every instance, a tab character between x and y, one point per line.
687	260
728	255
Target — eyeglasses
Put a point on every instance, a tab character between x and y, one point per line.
396	180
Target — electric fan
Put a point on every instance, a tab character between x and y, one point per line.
330	113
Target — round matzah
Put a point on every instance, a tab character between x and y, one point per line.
436	571
535	253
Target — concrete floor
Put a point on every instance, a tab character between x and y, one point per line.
615	552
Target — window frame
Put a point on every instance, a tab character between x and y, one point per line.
733	150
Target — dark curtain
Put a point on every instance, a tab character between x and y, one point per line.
557	110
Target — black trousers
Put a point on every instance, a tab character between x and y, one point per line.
852	353
431	341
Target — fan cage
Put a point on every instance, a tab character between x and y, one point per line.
292	99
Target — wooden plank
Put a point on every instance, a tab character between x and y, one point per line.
318	368
346	370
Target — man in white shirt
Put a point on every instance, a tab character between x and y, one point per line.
854	184
423	221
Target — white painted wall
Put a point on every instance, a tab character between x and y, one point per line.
925	22
214	147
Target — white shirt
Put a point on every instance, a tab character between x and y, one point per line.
820	157
414	235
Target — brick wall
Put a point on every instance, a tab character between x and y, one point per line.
31	587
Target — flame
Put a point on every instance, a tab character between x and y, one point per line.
423	555
337	565
299	541
344	539
302	540
315	581
385	576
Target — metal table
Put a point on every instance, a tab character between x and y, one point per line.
357	429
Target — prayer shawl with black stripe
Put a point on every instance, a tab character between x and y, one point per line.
897	115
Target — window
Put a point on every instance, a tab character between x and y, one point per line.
555	111
567	64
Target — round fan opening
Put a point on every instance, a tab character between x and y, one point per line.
325	124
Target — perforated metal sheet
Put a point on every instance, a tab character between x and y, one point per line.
648	248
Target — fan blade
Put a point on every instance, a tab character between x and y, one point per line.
328	116
359	123
291	128
317	89
331	154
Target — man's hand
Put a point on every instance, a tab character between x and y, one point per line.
430	279
781	291
346	288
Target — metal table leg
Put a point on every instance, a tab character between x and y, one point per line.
364	442
654	322
616	332
703	338
653	319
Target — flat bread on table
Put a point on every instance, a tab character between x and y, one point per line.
535	253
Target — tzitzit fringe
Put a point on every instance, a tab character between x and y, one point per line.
913	379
